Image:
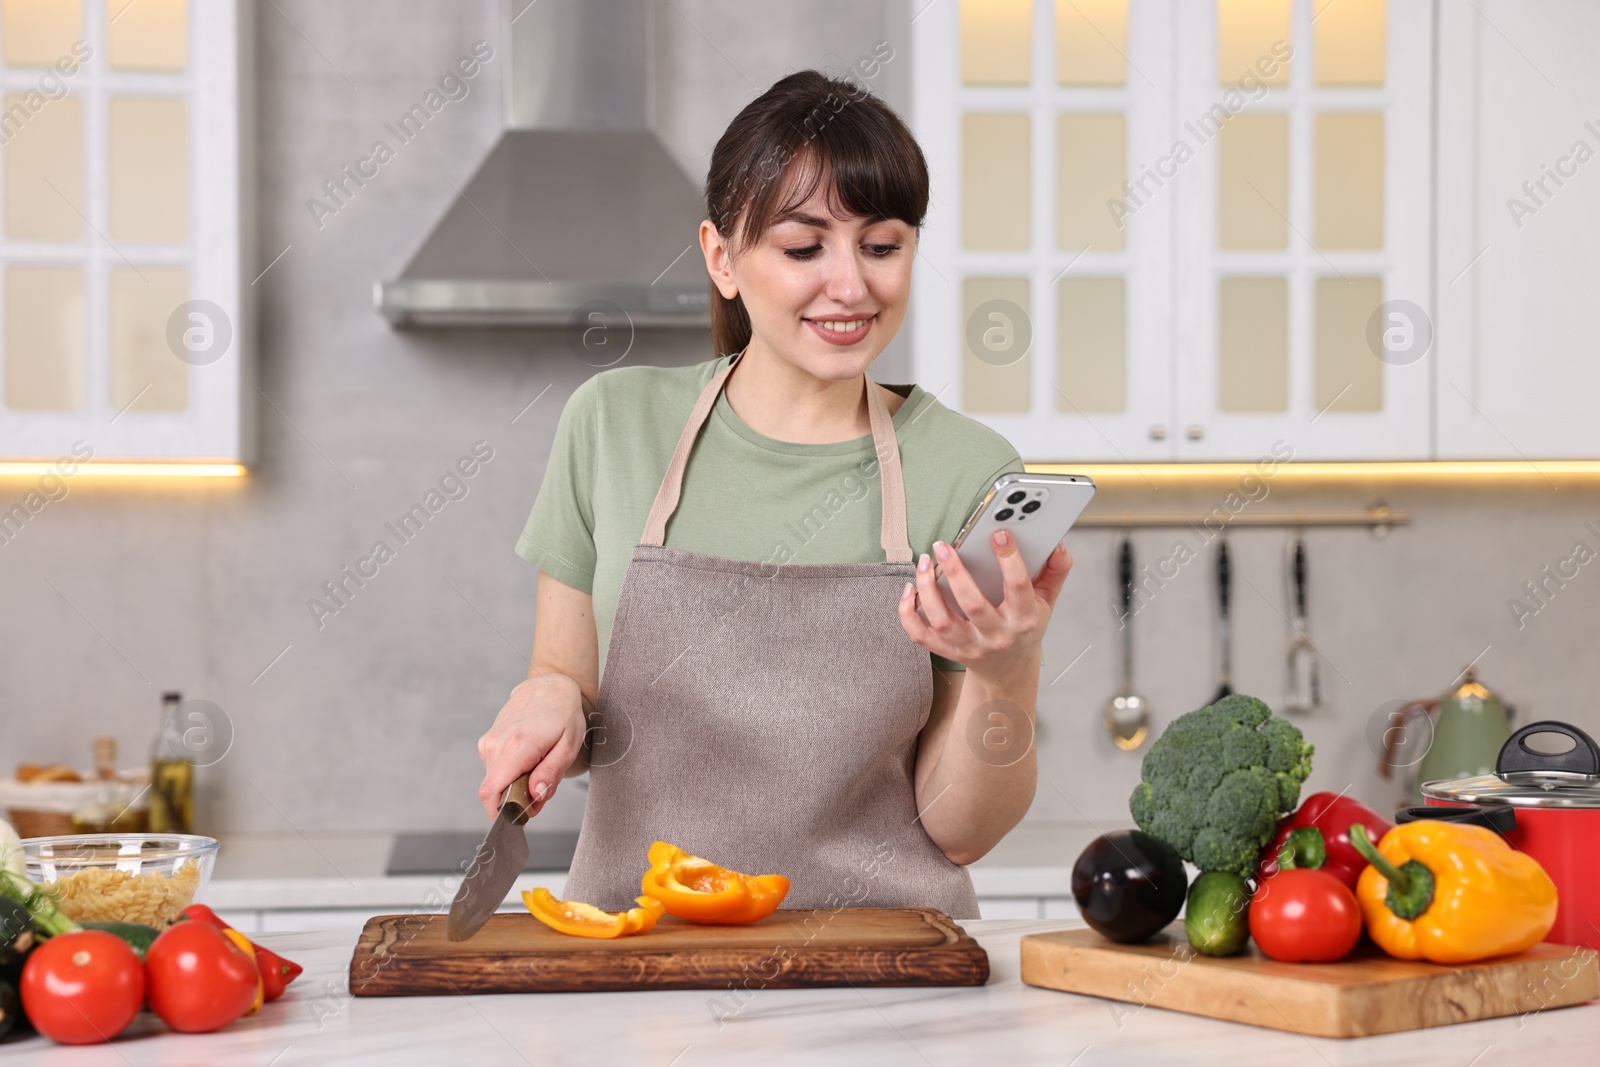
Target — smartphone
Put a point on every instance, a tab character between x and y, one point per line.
1036	509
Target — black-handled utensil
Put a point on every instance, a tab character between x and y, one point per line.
1225	617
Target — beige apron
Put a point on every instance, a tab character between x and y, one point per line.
765	716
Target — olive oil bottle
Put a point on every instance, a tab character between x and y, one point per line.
171	773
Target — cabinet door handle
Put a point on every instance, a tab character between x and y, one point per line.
1195	433
1158	432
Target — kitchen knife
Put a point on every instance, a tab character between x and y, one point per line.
495	866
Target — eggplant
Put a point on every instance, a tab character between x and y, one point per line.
1129	885
10	1008
17	938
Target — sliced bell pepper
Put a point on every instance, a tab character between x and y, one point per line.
1451	893
585	920
698	890
766	893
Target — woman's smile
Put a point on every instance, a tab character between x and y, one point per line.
839	331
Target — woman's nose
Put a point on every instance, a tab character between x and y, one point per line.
846	283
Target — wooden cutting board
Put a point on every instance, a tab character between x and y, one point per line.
1365	993
409	955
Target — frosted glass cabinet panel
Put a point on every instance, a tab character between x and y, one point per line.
1091	165
1044	279
1247	31
996	41
996	371
995	181
44	177
1350	41
1253	182
1091	42
127	322
35	33
44	338
148	34
149	157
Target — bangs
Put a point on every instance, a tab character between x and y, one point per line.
859	187
863	159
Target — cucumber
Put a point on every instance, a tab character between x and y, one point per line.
135	934
1217	915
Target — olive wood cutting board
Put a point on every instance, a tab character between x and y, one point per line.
409	955
1366	993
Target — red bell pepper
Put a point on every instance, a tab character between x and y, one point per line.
1317	835
276	972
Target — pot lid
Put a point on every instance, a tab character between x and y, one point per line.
1526	777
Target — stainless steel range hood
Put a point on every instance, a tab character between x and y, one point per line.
579	206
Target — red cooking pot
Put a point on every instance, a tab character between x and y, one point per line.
1556	800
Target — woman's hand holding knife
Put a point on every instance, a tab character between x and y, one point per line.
542	726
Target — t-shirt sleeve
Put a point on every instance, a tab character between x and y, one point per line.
559	535
947	536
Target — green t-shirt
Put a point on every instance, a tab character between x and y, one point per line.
745	496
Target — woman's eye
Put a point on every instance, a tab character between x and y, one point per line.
883	251
802	253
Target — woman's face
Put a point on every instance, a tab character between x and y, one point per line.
809	268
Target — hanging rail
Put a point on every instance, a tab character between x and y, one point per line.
1380	517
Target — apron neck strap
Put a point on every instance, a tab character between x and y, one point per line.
896	547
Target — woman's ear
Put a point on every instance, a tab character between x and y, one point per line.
719	260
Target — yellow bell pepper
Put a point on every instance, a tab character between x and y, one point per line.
698	890
585	920
1451	893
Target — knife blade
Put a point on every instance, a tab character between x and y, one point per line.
494	867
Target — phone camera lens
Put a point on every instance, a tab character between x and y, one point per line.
1003	514
1017	497
1030	507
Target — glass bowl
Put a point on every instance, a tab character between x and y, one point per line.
131	878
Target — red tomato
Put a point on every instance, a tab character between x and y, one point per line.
82	987
198	979
1305	916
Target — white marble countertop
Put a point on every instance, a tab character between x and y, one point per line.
345	870
317	1022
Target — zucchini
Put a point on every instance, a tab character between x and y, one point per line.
135	934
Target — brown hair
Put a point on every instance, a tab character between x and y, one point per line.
837	130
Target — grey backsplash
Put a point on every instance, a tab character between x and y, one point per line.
369	721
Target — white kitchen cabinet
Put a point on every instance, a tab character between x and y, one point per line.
1300	219
1519	211
1162	230
125	312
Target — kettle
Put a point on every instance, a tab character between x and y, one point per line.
1470	724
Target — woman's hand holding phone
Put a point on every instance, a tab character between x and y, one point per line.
992	638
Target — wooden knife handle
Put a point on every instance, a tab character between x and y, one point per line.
517	793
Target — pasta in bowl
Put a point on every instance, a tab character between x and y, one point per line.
133	878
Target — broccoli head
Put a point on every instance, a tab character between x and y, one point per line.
1214	784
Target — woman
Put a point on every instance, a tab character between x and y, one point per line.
767	704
